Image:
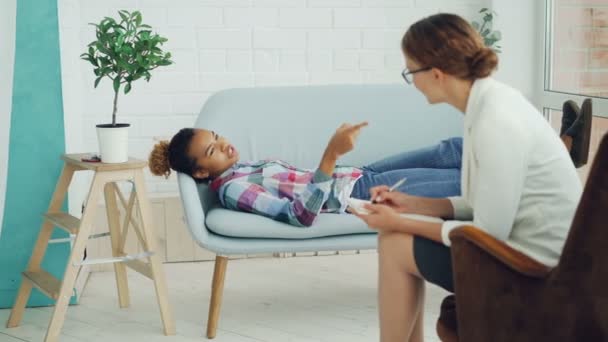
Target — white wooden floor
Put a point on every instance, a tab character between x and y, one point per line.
323	298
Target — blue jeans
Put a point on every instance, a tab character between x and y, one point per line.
431	172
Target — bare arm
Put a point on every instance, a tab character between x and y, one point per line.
342	142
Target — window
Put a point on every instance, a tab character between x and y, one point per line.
576	61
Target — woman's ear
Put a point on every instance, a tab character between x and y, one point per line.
438	75
200	174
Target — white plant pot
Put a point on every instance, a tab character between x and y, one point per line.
113	142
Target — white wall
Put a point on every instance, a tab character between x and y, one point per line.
8	17
71	47
518	21
219	44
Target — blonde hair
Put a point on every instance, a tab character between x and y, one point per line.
158	161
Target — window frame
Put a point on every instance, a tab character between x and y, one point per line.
554	99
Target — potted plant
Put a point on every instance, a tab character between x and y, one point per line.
125	50
490	36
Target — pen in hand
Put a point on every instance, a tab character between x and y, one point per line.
395	186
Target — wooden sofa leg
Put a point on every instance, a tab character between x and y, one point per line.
217	289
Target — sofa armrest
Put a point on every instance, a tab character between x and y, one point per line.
510	257
193	203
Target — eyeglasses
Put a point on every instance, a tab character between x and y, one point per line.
408	76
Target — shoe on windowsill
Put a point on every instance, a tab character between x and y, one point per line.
570	112
580	132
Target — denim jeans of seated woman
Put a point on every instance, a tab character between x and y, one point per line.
431	172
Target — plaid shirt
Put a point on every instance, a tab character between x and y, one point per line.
275	189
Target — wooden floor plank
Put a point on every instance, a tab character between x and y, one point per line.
312	299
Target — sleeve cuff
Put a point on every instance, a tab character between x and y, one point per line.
447	227
462	210
321	177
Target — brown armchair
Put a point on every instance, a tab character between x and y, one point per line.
503	295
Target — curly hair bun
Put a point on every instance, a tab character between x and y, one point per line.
158	162
483	63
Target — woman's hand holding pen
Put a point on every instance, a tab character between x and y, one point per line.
399	201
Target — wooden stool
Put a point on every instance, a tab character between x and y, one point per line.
61	290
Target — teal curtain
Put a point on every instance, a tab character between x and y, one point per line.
36	143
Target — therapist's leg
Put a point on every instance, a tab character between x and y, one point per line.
400	289
445	155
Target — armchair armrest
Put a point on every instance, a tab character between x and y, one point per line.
512	258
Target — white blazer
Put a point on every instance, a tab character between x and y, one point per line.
518	181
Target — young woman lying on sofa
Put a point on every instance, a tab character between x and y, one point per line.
294	195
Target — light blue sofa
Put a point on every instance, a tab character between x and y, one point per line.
294	124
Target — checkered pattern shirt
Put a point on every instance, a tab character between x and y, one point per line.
280	191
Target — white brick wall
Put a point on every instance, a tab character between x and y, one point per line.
219	44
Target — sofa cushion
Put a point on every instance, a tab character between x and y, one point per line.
240	224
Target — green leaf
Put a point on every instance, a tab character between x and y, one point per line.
101	48
116	84
475	25
138	18
127	88
97	80
123	15
123	64
120	40
108	70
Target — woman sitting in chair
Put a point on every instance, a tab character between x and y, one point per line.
518	181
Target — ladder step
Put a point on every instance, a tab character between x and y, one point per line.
123	258
64	221
45	282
